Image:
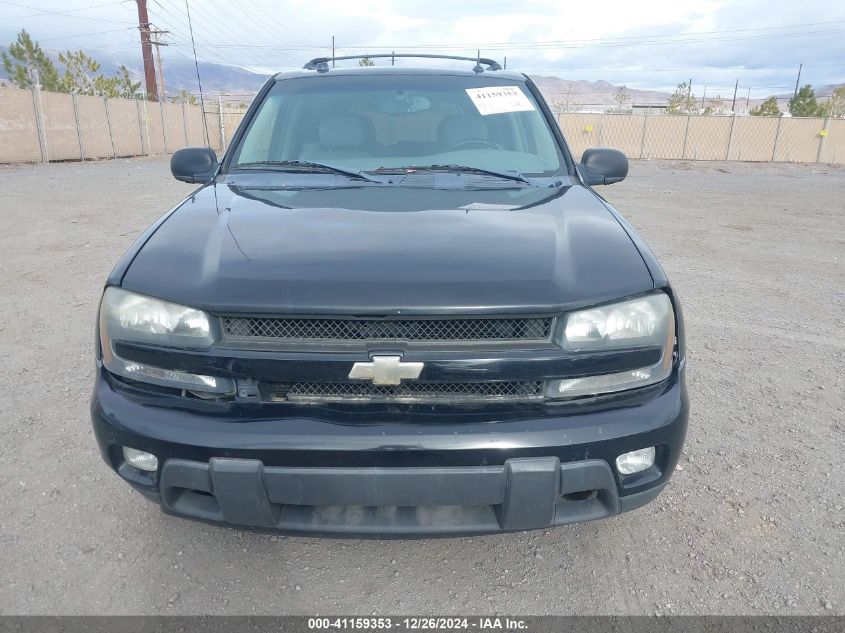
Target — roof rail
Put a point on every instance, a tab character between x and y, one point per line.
321	64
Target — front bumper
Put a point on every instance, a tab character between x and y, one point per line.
388	472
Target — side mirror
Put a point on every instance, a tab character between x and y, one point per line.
603	166
193	164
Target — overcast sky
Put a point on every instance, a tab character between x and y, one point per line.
640	43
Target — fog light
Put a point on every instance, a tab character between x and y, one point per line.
172	377
635	461
140	459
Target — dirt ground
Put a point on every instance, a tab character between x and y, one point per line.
751	523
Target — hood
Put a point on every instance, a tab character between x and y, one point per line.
225	250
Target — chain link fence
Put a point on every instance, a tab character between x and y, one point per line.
713	137
20	133
38	126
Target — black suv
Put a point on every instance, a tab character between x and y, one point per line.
395	307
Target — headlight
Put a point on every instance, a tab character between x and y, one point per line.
636	323
644	322
132	317
127	316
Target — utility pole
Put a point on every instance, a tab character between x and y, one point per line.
332	51
797	80
736	87
704	94
157	33
147	50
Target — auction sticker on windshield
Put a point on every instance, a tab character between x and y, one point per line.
499	99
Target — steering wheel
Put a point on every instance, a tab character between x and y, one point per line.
474	141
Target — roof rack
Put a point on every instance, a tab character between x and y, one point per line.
321	64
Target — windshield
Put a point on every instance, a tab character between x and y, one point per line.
383	122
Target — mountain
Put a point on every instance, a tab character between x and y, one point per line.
236	84
180	74
216	79
592	95
822	94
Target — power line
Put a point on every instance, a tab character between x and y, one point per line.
247	29
291	35
67	37
177	19
595	44
534	46
644	69
569	41
220	41
663	35
201	22
43	12
212	31
233	19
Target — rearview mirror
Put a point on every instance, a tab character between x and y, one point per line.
402	103
193	164
603	166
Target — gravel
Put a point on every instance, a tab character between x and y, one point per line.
752	522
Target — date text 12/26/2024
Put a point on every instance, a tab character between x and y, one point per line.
479	624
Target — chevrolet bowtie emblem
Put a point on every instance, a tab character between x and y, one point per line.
386	370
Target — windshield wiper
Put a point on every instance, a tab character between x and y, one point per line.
509	175
307	166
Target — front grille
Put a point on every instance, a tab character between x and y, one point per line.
378	329
410	392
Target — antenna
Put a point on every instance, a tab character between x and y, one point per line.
197	66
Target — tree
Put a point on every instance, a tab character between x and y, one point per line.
622	97
25	63
681	101
80	74
804	103
715	106
183	96
769	107
366	61
125	87
567	103
835	107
